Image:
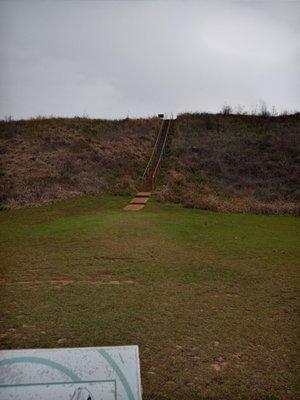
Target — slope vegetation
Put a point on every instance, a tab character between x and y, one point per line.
49	159
234	163
219	162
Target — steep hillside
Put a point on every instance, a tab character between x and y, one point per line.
234	163
220	162
48	159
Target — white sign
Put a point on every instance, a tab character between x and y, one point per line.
92	373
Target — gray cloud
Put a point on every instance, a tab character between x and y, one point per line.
113	58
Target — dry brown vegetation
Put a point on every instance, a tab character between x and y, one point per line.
221	162
244	163
43	160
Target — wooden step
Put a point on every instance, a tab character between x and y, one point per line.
139	200
134	207
143	194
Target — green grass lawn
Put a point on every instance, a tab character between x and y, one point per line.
210	298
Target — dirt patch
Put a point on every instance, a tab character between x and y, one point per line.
61	282
58	283
219	364
118	258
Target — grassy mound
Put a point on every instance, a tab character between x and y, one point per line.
218	162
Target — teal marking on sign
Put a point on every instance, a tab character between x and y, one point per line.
74	378
58	383
44	361
119	372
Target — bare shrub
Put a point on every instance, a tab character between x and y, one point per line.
226	109
263	109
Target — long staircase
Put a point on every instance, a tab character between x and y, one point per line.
152	169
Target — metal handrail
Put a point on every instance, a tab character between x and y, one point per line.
154	150
161	154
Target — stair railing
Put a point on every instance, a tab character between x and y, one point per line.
158	165
153	151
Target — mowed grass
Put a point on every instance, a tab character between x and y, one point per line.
211	299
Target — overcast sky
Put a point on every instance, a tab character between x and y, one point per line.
111	59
